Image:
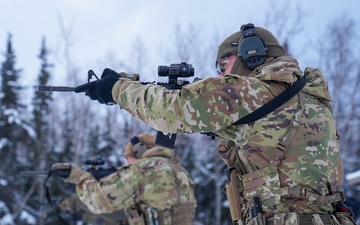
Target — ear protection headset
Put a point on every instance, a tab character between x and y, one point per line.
251	47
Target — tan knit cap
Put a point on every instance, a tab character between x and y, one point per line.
230	46
139	144
274	49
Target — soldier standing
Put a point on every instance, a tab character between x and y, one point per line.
284	159
153	188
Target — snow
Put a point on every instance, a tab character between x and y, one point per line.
7	218
27	217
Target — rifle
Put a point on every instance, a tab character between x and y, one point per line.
173	72
94	167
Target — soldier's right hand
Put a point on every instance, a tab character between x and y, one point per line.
61	169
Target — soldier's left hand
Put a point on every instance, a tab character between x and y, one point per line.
74	175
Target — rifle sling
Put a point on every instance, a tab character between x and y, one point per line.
273	103
48	199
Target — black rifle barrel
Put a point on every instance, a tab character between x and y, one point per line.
34	173
43	88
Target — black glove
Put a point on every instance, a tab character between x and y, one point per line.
61	170
101	89
69	172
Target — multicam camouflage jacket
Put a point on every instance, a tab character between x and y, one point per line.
79	211
155	182
303	130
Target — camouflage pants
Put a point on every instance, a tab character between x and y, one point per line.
339	218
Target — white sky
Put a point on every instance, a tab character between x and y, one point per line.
100	27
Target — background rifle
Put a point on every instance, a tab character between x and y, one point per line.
95	168
69	203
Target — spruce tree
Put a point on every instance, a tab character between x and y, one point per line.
10	110
41	112
41	147
14	135
41	101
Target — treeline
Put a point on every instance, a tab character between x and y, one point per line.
65	127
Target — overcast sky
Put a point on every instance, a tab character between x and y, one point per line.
99	27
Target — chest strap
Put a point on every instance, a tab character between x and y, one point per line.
300	219
302	193
274	103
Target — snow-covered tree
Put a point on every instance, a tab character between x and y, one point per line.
339	56
15	133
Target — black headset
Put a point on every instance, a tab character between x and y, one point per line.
251	47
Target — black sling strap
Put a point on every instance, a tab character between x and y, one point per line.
273	103
48	199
